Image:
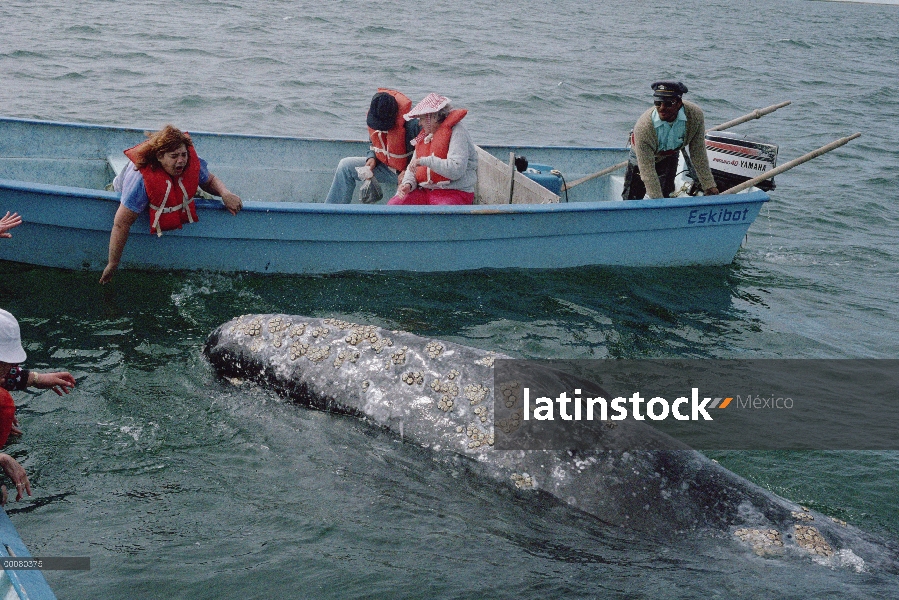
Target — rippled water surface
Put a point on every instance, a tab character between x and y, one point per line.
180	485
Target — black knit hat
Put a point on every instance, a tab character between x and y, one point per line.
382	112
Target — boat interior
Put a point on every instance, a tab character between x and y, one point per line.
282	169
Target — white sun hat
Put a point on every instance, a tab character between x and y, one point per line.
431	104
11	350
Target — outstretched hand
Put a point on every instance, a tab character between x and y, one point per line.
14	430
15	472
9	221
60	382
108	272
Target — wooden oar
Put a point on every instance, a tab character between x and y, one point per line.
790	165
756	114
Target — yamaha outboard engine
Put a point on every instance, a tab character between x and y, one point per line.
735	159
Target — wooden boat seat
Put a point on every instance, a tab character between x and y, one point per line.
495	184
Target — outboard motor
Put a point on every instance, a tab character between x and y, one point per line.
735	159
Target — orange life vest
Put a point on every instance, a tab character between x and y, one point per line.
436	145
390	146
171	201
7	414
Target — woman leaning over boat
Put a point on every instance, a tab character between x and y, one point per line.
164	174
444	169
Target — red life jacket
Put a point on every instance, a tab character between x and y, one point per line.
7	414
390	146
436	145
171	201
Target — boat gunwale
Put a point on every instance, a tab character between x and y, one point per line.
385	209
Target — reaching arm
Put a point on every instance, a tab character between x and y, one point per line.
215	186
121	227
60	382
15	472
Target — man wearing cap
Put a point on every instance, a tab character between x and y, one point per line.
391	147
659	135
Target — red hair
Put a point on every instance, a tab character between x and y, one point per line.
167	139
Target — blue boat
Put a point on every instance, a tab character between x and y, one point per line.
24	584
54	175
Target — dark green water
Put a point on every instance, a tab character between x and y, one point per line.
172	480
179	485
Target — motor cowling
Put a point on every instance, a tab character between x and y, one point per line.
734	159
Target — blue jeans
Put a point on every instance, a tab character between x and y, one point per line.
345	179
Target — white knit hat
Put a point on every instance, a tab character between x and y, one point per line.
11	350
431	104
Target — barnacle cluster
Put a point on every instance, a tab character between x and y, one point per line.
509	391
318	353
254	327
379	344
763	542
298	330
476	436
353	338
476	393
298	349
341	325
320	332
523	480
345	356
399	357
277	325
811	539
360	333
445	403
511	424
487	361
801	516
413	377
434	349
449	388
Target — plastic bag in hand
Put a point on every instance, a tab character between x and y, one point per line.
370	192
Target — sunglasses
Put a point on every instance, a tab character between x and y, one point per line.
666	103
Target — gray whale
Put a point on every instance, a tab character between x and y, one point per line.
439	395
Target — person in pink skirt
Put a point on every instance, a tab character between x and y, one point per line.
444	169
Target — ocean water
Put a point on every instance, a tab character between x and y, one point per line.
177	484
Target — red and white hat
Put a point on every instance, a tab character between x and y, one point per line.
431	104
